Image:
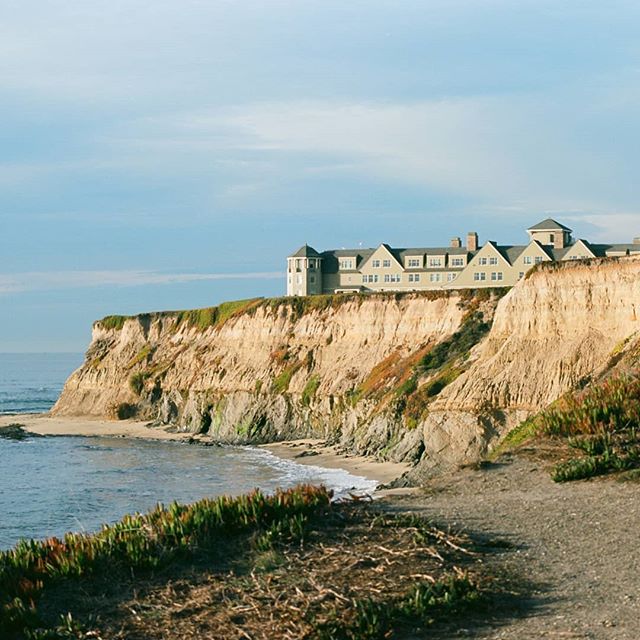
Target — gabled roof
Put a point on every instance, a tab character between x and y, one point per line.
305	251
391	252
549	225
511	252
330	259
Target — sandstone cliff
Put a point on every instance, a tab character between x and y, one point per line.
412	376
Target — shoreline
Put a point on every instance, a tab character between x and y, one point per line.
308	452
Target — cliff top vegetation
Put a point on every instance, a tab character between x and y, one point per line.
215	317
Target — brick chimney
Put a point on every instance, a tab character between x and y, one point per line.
455	243
472	241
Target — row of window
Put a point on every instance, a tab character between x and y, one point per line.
490	260
349	264
481	276
304	263
412	277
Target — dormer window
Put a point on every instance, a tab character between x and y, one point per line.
414	263
435	262
347	264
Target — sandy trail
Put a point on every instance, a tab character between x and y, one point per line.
576	549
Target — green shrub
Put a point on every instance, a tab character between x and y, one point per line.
137	380
610	407
114	323
310	390
471	331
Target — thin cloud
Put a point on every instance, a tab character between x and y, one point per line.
44	281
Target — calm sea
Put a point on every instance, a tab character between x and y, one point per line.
52	485
31	382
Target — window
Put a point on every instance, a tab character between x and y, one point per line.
375	264
552	237
435	277
395	277
435	262
312	279
375	278
450	277
538	259
479	276
386	263
496	275
521	274
493	260
346	263
457	262
414	262
526	260
387	277
482	261
414	277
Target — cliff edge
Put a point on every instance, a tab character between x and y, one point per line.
430	377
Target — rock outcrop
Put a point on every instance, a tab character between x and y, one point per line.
408	377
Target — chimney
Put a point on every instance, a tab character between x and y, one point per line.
558	240
455	243
472	241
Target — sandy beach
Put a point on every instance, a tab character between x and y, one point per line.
317	453
308	452
46	425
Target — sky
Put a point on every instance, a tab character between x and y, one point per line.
165	154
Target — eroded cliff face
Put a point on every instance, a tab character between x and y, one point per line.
554	332
272	370
416	377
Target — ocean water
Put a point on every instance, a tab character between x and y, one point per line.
32	382
52	485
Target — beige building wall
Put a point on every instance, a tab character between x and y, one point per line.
488	268
383	272
579	251
531	256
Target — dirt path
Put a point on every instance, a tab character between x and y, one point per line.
577	545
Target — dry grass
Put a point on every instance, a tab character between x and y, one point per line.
355	573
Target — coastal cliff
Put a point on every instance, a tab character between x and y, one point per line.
431	377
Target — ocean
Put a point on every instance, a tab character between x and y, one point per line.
32	382
52	485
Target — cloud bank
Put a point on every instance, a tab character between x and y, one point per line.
45	281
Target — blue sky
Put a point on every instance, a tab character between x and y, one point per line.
163	154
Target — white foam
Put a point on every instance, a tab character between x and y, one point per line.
340	481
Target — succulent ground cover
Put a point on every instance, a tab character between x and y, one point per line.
596	430
288	566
